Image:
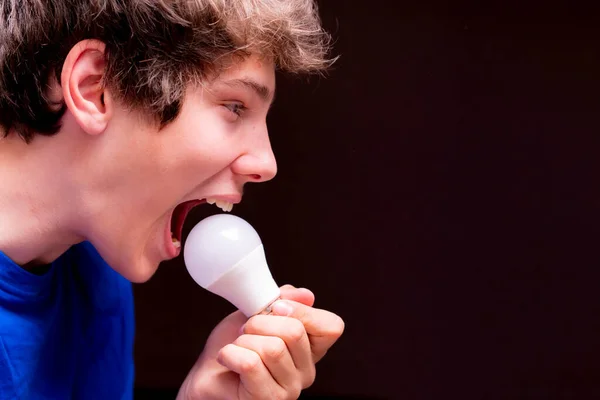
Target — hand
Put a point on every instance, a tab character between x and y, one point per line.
269	357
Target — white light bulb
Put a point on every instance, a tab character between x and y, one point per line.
224	254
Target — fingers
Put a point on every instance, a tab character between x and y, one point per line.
226	332
293	334
303	296
255	378
275	354
323	327
276	357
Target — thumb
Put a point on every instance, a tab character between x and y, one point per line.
323	327
228	330
303	296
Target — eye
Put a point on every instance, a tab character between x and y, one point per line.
236	108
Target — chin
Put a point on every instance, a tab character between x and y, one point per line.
138	272
140	277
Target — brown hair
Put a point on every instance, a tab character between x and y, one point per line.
154	49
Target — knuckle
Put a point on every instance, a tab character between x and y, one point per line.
309	376
256	324
282	395
296	331
240	341
250	363
295	391
289	393
250	325
225	351
276	349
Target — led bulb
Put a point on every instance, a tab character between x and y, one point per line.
224	254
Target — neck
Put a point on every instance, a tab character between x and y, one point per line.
37	212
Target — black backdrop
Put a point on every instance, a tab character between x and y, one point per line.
439	190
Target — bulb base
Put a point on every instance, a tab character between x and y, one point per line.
249	285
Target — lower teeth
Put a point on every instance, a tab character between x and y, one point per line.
176	242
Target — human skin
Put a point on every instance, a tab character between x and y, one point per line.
113	177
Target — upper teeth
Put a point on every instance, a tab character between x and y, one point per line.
222	204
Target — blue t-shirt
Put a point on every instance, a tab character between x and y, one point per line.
68	333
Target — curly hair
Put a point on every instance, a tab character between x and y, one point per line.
154	49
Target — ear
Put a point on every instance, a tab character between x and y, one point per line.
82	81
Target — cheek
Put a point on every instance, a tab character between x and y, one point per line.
203	167
205	158
198	146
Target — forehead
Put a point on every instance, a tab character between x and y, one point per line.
251	66
251	73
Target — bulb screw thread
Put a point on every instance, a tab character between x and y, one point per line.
269	309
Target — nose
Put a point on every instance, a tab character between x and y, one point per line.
258	164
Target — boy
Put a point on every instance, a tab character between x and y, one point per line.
117	117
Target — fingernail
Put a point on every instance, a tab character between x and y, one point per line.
282	308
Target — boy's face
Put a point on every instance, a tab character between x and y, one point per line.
218	143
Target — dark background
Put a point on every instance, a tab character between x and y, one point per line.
439	191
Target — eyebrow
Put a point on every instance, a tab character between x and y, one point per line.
263	92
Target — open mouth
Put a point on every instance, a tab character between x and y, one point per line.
182	210
178	218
